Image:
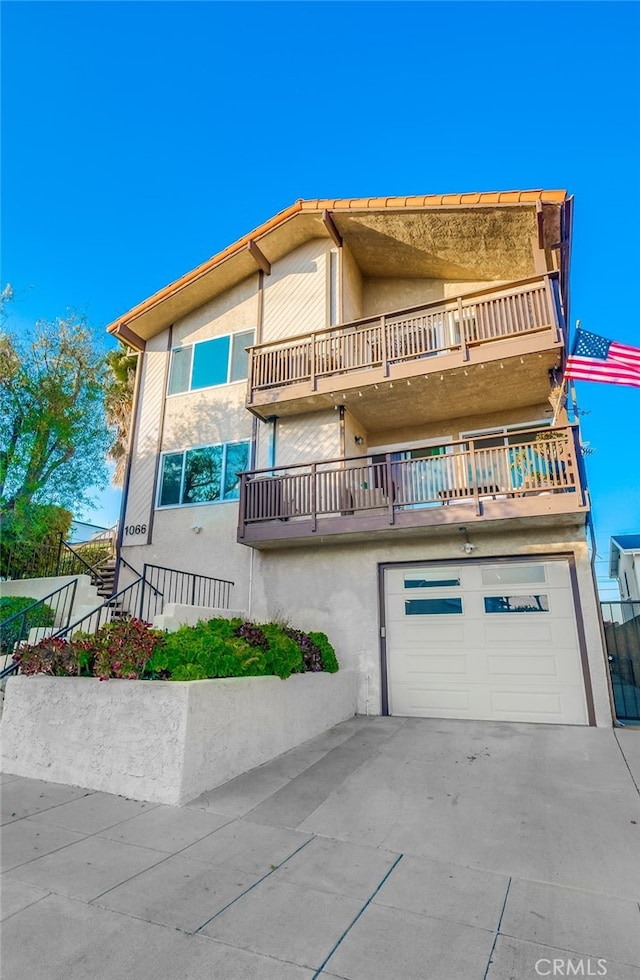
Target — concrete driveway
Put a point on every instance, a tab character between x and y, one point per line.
386	849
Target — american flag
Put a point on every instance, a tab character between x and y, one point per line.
596	359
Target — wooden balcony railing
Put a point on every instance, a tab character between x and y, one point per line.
389	485
434	328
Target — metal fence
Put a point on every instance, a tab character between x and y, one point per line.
622	634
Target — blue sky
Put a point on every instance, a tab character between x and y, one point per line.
138	139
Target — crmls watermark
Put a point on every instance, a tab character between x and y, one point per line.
571	968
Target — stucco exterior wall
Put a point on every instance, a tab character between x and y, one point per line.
213	550
163	741
206	417
296	294
452	428
334	588
385	295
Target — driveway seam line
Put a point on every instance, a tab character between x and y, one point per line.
165	858
268	874
497	932
353	922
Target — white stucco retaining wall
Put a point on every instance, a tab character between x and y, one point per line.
163	741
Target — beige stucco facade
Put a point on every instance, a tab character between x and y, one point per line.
317	276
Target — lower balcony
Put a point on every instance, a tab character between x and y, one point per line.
520	476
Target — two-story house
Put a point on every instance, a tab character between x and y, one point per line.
353	413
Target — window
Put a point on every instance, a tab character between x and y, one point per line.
433	607
516	603
203	475
210	362
432	579
512	574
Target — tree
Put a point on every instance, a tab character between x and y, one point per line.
118	405
54	438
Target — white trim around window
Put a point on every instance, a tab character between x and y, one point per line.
210	363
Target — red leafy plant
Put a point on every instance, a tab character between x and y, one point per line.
123	649
52	655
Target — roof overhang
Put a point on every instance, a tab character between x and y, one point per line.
432	236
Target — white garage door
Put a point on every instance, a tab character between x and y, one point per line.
493	641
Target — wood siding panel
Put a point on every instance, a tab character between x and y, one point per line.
140	500
296	292
232	311
310	437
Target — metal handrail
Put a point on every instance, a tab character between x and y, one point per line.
24	614
92	569
96	614
175	585
49	560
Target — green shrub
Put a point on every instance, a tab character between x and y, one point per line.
16	630
130	649
209	649
237	648
327	653
284	656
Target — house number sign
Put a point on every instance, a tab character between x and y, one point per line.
135	529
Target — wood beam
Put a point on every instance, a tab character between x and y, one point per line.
259	257
330	225
127	335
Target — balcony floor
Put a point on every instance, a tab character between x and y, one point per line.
510	513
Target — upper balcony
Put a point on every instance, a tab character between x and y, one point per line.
522	476
521	323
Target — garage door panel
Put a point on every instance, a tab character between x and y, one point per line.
432	702
562	706
416	664
510	634
514	657
553	633
522	665
413	634
529	664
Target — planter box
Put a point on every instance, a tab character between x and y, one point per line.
163	741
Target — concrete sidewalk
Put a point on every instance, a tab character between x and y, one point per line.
386	849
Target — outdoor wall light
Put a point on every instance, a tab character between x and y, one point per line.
358	440
467	547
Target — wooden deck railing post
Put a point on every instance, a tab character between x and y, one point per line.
252	374
242	504
390	487
463	336
312	365
385	346
476	478
313	496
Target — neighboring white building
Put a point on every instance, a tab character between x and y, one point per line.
349	413
624	564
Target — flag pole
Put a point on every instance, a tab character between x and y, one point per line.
563	386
